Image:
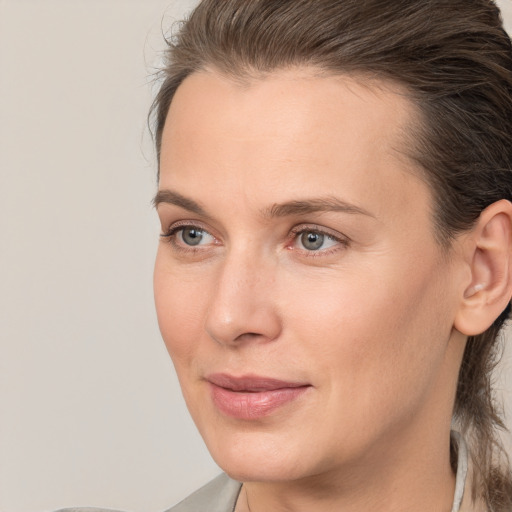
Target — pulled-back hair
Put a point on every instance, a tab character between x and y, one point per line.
454	59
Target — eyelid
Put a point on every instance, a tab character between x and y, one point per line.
336	235
181	224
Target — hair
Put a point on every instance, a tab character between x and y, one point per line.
454	59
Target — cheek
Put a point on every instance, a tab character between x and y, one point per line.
179	308
375	334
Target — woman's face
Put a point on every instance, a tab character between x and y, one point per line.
300	292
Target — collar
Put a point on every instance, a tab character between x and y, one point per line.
462	472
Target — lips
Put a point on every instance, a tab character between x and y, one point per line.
252	397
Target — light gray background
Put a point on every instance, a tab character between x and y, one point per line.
90	410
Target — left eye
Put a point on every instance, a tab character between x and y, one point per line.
314	240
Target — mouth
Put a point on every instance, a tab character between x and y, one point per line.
251	397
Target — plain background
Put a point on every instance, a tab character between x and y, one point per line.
90	410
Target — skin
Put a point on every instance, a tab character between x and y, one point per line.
367	320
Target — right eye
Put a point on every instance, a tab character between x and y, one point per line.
191	235
188	236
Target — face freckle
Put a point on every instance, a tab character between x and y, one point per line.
317	267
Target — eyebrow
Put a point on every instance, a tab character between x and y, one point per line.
307	206
170	197
289	208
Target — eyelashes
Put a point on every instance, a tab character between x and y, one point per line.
305	239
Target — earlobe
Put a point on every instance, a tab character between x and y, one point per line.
490	257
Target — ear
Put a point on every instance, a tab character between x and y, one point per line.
489	253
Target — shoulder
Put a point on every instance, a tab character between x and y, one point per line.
219	495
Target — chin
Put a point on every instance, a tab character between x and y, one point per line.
261	469
260	456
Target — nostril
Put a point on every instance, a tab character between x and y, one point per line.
248	336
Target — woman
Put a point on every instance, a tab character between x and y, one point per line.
334	193
335	262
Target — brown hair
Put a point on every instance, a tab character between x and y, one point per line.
455	60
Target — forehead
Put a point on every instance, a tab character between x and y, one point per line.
292	103
290	128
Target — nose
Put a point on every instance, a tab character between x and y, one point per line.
243	306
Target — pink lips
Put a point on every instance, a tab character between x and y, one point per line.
251	397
